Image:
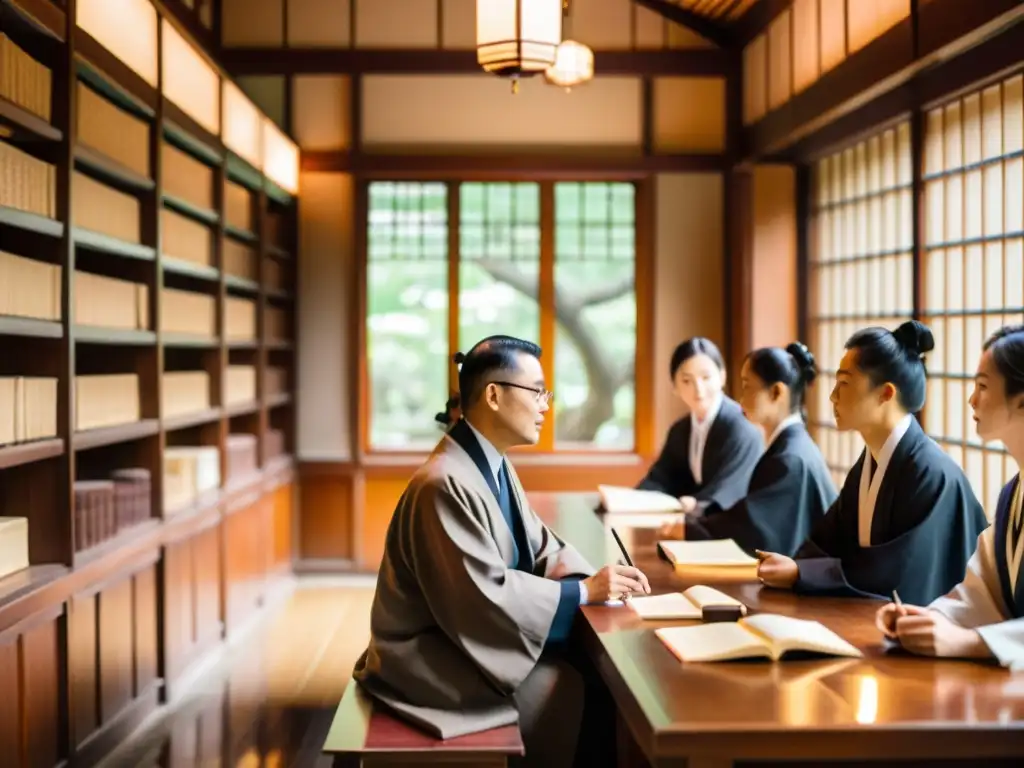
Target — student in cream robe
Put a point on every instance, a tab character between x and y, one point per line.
709	455
906	518
476	596
791	487
983	617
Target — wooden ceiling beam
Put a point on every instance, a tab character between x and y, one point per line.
364	61
702	25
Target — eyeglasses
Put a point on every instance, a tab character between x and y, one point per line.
543	396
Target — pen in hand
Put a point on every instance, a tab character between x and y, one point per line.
899	603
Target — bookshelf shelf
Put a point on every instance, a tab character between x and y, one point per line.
90	334
187	340
122	433
37	17
111	172
28	453
242	284
280	254
30	222
189	420
241	235
278	295
28	326
241	409
185	208
25	126
188	269
97	241
276	401
19	585
125	545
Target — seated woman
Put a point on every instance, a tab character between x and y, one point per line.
906	518
983	617
708	456
791	488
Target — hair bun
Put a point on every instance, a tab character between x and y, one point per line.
804	360
458	358
916	338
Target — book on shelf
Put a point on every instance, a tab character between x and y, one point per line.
764	635
718	553
617	499
688	604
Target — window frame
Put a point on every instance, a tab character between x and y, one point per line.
545	451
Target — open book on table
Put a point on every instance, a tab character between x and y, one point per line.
718	552
688	604
620	500
764	635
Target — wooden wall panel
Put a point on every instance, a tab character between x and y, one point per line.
316	23
396	24
245	559
689	291
678	126
601	24
755	80
30	671
419	111
774	263
832	32
283	525
458	24
253	22
869	19
326	515
268	93
326	315
780	66
805	43
322	111
133	40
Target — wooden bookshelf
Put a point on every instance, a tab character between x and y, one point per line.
169	332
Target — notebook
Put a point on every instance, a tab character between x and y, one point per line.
765	635
621	500
688	604
720	552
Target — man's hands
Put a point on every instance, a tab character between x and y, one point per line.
613	582
929	633
776	570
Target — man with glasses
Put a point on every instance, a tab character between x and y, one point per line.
476	596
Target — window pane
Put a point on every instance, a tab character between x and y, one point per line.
595	337
499	261
861	266
407	312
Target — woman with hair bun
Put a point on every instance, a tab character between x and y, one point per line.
906	518
791	488
983	617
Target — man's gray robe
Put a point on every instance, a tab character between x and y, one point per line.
455	627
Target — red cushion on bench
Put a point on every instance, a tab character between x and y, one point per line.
387	732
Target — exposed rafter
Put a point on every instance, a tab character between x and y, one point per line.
703	26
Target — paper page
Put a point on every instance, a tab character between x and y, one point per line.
673	605
720	641
789	634
621	500
718	552
700	596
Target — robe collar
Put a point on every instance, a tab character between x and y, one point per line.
791	420
491	454
870	496
1014	603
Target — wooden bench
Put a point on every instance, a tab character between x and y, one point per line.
363	735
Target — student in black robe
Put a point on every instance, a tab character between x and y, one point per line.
983	617
791	487
708	456
906	518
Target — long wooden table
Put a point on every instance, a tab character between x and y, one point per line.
886	707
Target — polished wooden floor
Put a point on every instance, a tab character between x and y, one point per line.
267	700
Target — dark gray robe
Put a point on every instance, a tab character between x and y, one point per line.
456	626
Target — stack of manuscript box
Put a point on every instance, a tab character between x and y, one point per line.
242	460
240	319
23	80
13	545
276	324
238	206
190	475
28	409
185	239
28	288
185	177
239	384
275	381
133	498
273	444
103	508
26	183
103	209
107	302
106	400
188	312
185	392
239	260
112	131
